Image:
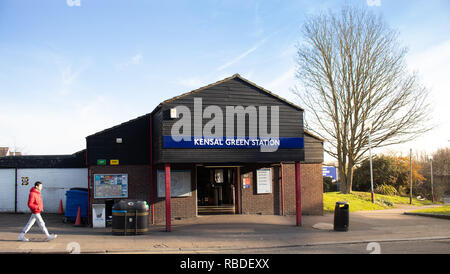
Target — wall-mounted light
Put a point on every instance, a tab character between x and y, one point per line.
173	113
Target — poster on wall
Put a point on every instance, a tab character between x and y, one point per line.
246	183
263	181
110	185
180	183
25	181
218	176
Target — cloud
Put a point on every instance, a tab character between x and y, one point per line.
137	59
282	79
431	65
372	3
243	55
283	83
46	129
73	3
68	69
134	60
191	82
257	22
69	76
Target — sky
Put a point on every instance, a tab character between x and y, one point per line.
71	68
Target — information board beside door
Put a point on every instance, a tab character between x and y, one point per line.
263	181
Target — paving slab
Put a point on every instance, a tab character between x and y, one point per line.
221	233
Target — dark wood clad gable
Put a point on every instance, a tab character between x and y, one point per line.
233	92
236	92
135	146
313	148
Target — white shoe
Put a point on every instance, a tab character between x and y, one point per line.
22	238
51	237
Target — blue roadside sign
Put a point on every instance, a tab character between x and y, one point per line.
329	171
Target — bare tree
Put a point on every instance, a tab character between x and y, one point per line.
352	73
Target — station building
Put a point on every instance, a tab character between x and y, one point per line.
228	147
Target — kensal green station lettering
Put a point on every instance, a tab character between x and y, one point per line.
235	142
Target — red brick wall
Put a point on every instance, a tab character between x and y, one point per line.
311	188
253	203
181	207
312	183
139	188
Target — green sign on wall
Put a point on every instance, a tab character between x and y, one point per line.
101	162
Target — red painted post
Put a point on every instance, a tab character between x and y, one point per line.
236	189
168	215
152	186
89	184
298	194
281	190
152	194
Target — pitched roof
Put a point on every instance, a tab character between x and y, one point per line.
119	125
235	76
76	160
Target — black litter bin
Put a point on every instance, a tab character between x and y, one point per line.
130	217
341	216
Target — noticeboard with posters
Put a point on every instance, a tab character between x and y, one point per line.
263	181
110	185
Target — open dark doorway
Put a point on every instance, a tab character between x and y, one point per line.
215	190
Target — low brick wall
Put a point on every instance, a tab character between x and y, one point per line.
311	188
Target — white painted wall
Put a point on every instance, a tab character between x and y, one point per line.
55	181
7	189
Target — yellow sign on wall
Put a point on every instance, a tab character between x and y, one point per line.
114	162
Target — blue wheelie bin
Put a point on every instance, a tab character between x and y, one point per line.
76	198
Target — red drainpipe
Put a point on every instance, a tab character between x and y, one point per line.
152	191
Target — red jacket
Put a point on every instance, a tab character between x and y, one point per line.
35	201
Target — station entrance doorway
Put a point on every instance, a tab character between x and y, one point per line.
215	190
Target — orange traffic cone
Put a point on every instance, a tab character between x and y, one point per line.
60	210
78	220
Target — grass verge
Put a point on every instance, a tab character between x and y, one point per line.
442	210
359	201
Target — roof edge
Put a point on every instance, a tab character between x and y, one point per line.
119	125
269	92
234	76
314	136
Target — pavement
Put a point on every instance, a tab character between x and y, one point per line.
225	233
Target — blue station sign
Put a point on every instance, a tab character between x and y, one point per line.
230	142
